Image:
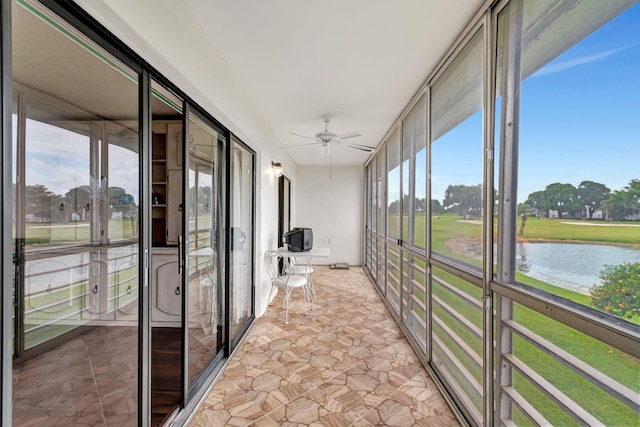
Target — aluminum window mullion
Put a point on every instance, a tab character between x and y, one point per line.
19	203
184	229
225	177
427	227
488	217
5	204
144	253
508	199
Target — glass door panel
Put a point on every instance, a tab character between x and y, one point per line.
76	239
166	288
205	240
241	222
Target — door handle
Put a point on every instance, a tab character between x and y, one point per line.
180	262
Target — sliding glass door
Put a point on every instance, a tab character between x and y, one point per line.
205	246
131	219
241	243
165	278
76	222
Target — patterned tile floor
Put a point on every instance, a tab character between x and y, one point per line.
344	364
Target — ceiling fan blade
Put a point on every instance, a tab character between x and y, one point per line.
369	149
303	136
353	134
296	146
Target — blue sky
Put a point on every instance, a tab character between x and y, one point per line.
59	159
580	119
580	114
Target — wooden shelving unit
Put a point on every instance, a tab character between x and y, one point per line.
159	189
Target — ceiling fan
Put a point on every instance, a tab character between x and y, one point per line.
326	138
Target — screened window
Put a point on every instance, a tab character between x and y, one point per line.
457	157
414	138
394	196
382	191
577	217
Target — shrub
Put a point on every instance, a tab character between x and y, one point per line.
619	293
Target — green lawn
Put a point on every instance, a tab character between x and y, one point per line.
80	231
448	226
557	230
600	356
446	229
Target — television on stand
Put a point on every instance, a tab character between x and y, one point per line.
299	239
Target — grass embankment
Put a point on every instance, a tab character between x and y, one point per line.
447	226
566	230
446	231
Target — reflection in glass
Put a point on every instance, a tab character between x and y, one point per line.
165	282
206	246
456	157
76	288
241	223
57	182
123	184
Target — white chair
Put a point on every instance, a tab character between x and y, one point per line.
208	292
305	270
284	281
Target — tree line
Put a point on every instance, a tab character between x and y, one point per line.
459	199
584	200
42	204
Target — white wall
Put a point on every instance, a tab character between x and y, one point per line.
332	207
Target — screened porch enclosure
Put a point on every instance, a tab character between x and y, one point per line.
486	207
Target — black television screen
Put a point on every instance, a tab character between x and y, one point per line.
299	239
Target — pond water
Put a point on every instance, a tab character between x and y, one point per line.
572	266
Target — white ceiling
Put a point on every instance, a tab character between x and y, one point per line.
359	60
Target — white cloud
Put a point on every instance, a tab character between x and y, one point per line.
565	65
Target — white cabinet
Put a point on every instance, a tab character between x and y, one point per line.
174	206
166	289
174	145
